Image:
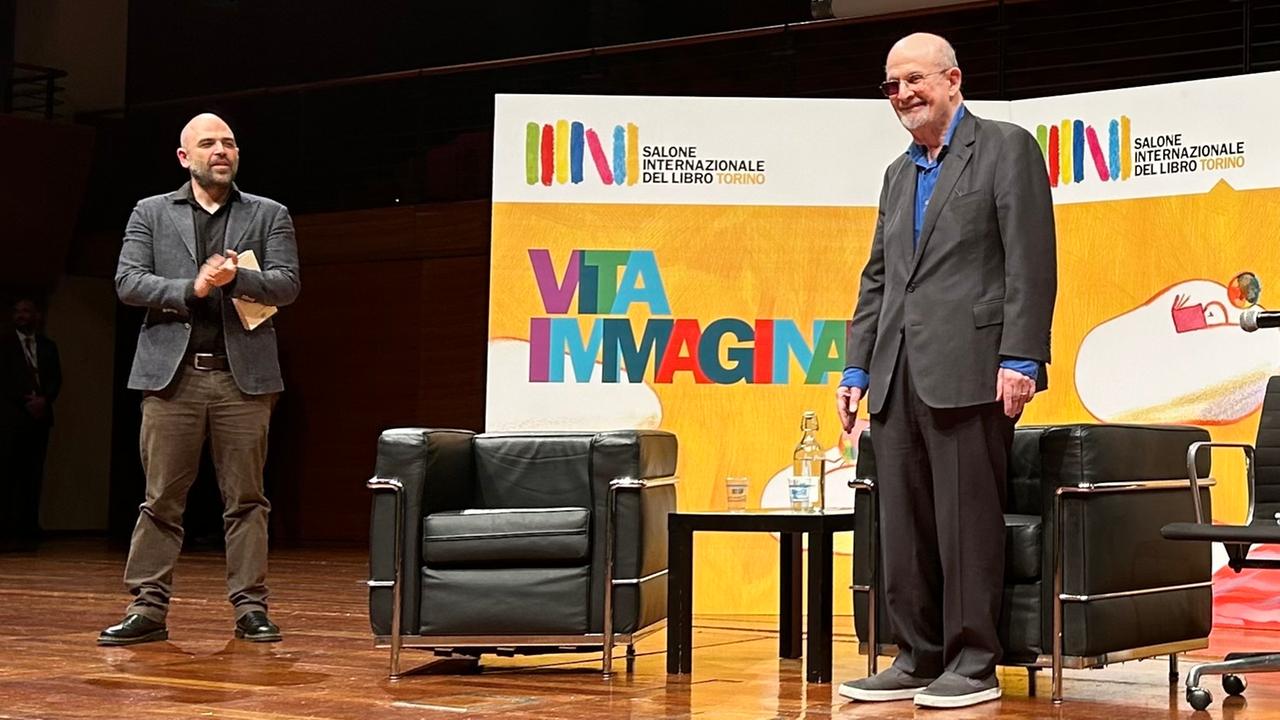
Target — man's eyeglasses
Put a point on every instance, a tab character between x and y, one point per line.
891	88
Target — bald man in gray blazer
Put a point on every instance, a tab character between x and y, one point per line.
203	373
949	341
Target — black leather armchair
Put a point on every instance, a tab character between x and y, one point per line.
1088	579
1261	526
521	542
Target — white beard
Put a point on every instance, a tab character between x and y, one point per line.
913	119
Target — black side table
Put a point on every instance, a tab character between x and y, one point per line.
820	526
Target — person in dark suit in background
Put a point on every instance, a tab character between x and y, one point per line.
948	343
32	381
203	373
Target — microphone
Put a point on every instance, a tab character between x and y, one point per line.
1253	319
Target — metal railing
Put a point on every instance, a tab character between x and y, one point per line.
30	90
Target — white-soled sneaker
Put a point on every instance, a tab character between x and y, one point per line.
888	684
957	691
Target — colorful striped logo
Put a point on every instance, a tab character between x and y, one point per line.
554	153
1064	149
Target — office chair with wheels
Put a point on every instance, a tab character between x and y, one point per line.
1261	526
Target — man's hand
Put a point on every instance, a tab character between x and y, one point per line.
37	406
1015	390
847	406
223	268
217	271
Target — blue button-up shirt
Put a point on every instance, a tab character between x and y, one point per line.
927	172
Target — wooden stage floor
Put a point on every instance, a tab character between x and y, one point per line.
53	603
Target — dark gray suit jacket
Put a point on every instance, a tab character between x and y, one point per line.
980	285
157	270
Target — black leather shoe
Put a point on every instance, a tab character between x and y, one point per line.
257	627
132	630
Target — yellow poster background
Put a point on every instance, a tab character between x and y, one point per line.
803	263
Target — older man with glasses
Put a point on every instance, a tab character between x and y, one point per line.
948	343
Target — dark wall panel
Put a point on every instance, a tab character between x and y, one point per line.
390	330
349	354
344	143
175	45
43	176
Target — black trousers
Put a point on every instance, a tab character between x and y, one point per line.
942	475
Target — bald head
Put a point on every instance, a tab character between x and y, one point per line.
203	123
923	48
922	83
209	151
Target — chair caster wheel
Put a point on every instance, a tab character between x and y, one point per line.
1199	698
1234	684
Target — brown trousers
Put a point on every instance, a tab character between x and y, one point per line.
175	422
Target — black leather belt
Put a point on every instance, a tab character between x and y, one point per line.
208	361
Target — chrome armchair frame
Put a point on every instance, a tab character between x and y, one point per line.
1193	453
1056	660
873	649
606	640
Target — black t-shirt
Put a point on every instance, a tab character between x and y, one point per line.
206	312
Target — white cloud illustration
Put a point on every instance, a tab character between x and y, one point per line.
1179	358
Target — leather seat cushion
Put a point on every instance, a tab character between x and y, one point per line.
509	601
510	537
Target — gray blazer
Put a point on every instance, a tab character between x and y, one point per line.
981	283
157	271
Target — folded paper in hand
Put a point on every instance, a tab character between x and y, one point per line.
251	314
